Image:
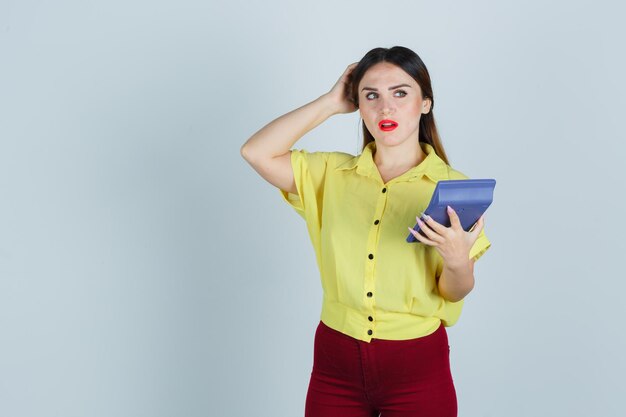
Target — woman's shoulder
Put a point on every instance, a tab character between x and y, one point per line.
455	174
335	158
332	159
341	158
337	155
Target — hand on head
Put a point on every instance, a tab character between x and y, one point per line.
340	93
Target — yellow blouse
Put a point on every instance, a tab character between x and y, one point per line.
375	284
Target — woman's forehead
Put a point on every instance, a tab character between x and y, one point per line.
385	74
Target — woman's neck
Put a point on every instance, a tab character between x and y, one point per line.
404	156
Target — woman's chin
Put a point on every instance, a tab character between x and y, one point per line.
389	140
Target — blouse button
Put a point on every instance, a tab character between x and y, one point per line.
384	190
377	221
369	294
370	318
370	332
370	256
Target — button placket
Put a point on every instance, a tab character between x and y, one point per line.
371	256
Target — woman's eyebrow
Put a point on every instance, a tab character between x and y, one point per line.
390	88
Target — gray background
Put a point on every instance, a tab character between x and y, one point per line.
147	270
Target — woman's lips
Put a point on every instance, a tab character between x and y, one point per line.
387	125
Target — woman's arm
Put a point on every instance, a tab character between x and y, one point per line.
456	282
268	150
454	245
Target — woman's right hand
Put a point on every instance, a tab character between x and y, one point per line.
338	94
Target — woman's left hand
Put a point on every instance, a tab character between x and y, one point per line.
453	243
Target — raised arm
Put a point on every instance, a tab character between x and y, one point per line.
268	151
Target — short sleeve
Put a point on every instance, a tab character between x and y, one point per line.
309	174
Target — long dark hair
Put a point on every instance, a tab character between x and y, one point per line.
413	65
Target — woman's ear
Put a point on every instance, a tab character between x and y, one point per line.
426	105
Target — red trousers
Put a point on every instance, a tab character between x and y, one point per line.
386	378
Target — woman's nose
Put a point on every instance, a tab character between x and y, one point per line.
386	106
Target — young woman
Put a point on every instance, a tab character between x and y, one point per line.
381	347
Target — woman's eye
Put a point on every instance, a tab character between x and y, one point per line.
370	96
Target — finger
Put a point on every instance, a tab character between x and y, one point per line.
435	225
421	238
455	222
478	226
432	235
350	68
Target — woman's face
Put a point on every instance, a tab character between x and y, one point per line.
387	93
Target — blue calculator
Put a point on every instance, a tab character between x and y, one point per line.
469	198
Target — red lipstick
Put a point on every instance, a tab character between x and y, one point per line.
387	125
